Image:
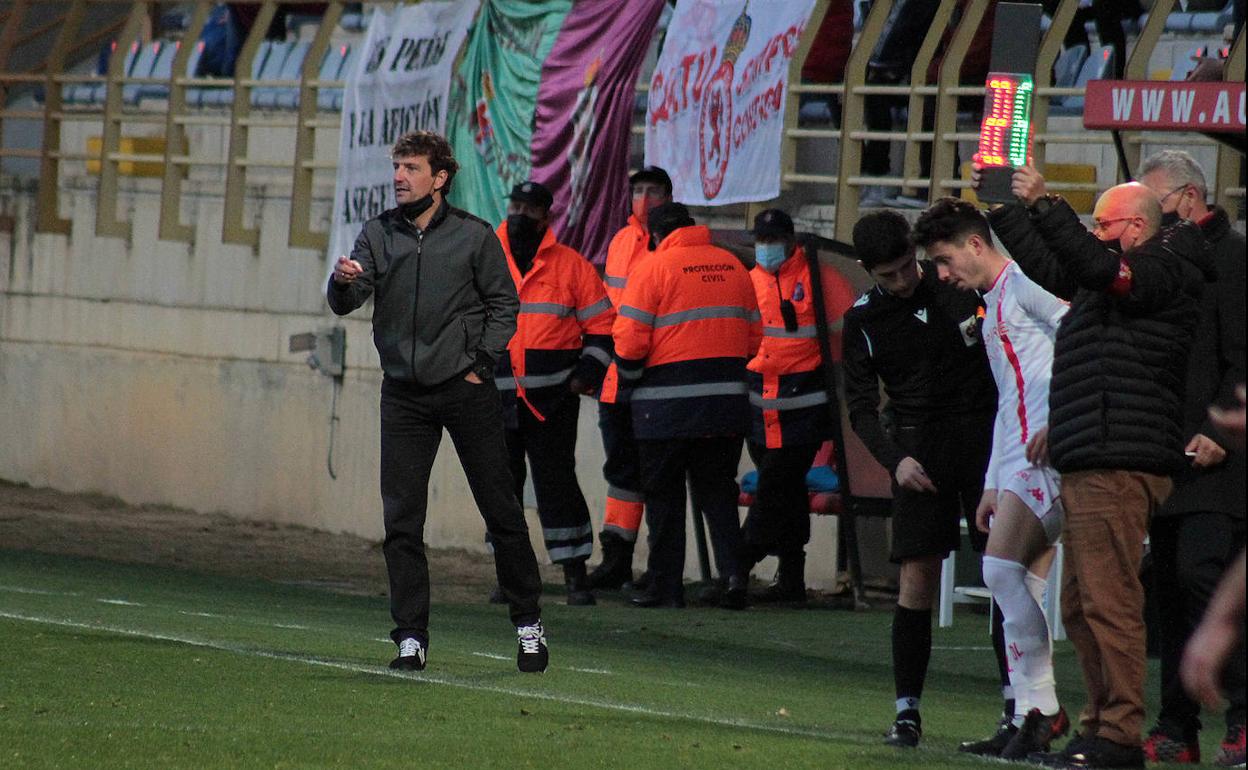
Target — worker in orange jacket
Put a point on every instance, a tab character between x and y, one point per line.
561	348
686	327
789	402
650	187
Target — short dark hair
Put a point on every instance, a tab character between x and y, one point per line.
881	237
667	218
950	220
434	148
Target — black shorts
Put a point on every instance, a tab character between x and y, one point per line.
954	452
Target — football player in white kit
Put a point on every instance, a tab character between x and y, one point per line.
1021	499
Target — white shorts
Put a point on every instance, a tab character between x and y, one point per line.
1040	490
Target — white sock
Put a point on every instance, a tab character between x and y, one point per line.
907	704
1040	667
1026	635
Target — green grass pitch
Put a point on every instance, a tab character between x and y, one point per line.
106	665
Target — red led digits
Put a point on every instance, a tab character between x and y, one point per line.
1004	134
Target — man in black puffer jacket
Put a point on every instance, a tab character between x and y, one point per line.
1116	423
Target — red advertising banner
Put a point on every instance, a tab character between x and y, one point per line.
1164	106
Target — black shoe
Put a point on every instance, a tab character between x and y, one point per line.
993	745
779	593
1059	758
1096	752
653	597
905	733
411	656
1037	734
734	596
710	594
496	596
576	582
533	656
616	569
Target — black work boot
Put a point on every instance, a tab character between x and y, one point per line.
577	583
790	585
616	568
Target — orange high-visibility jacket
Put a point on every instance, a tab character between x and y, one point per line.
686	327
628	247
788	395
563	329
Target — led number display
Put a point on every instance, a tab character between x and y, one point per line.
1004	136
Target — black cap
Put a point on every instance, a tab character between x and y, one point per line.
773	223
652	174
668	217
532	192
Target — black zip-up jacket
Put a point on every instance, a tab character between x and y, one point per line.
444	298
1216	366
1120	357
927	351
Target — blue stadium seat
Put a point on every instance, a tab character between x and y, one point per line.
1069	63
1207	21
330	99
223	96
266	97
1179	21
93	93
1098	66
330	65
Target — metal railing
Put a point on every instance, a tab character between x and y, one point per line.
236	163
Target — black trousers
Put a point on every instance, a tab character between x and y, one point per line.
779	520
412	419
710	464
551	449
1190	554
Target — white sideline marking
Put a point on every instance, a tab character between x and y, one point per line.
36	591
200	614
292	626
972	649
491	656
602	671
449	681
122	602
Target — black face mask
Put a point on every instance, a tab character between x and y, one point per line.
524	235
1170	218
413	209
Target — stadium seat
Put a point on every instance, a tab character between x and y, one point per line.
223	96
1069	63
93	93
162	67
330	65
330	99
266	97
1098	66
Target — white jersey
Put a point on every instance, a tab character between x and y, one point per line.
1020	325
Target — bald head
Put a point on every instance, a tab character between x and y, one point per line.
1128	213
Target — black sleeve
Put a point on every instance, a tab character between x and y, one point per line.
1013	225
862	396
345	298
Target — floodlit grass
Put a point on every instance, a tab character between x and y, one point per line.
105	665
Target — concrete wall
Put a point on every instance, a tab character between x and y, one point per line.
158	372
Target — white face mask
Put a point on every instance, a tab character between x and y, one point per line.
769	256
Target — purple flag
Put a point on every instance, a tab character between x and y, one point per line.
581	132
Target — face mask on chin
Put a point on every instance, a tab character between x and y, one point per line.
524	235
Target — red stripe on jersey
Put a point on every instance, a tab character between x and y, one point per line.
1012	357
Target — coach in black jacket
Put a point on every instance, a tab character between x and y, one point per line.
444	310
1200	529
1115	422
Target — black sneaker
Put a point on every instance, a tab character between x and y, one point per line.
411	656
994	744
1061	757
905	733
533	655
1037	734
734	597
1097	752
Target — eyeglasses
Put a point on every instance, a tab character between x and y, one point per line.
1166	197
1103	224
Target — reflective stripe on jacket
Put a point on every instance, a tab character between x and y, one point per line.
564	328
687	324
788	396
628	247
